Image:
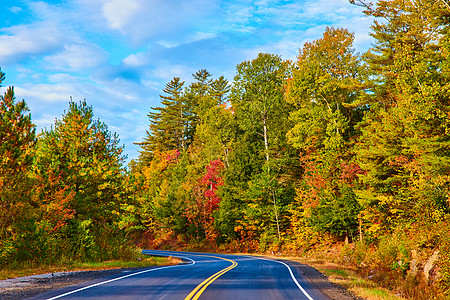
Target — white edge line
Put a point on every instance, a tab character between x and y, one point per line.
292	275
114	279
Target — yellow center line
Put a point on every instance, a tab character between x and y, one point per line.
195	294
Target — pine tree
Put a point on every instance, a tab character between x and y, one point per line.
219	89
17	135
88	161
171	123
326	87
17	139
405	139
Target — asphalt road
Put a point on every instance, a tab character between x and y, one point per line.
202	276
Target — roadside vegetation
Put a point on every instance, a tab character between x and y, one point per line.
337	155
28	268
349	277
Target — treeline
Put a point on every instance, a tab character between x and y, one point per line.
334	148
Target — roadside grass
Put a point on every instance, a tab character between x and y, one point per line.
30	268
349	278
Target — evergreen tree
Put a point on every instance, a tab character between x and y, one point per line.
219	89
172	125
326	87
89	161
405	143
17	139
167	123
17	135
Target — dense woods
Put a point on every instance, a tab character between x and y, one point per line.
336	149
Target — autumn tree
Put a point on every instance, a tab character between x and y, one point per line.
405	141
17	135
17	138
326	88
87	159
206	202
167	130
258	99
261	112
171	199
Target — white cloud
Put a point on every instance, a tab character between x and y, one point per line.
120	13
143	20
63	77
136	60
45	121
167	72
77	57
26	40
193	37
15	9
48	93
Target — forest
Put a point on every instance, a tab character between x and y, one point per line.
334	150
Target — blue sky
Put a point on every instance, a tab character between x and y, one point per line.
119	54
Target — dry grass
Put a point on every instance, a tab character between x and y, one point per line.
349	278
30	269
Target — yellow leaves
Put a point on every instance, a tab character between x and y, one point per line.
164	188
383	199
438	215
107	174
103	186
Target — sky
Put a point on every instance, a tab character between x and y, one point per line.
119	54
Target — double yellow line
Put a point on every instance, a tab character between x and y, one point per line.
195	294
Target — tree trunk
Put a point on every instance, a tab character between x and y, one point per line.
276	215
225	150
266	140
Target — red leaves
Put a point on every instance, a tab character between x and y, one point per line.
206	199
350	172
55	200
171	155
212	181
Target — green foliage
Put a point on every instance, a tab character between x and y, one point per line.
168	125
328	73
393	254
257	97
17	138
80	164
264	213
337	214
405	141
325	88
288	156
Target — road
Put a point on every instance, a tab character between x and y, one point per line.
202	276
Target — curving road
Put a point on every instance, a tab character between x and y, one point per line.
202	276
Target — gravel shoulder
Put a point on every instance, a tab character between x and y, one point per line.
30	286
332	290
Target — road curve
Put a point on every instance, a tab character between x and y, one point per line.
202	276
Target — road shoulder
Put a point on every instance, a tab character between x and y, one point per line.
30	286
332	290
